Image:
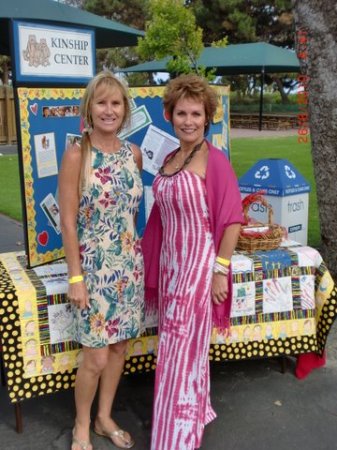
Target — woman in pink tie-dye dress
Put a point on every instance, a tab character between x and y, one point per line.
188	242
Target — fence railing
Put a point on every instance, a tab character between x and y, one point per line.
7	116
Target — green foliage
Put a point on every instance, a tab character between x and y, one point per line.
172	31
272	103
131	12
246	21
10	197
220	43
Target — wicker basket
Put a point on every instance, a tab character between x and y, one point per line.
259	236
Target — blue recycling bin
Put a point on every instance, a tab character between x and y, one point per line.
286	190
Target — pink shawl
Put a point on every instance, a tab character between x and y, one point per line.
224	205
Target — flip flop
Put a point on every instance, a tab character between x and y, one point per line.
112	435
84	445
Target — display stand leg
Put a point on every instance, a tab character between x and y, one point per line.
2	370
18	417
283	362
17	406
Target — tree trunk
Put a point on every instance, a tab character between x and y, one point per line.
280	88
5	69
316	32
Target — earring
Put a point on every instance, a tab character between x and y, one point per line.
167	116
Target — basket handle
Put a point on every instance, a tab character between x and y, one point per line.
258	199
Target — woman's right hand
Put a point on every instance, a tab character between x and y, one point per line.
78	295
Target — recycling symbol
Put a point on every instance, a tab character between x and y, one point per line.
289	172
263	173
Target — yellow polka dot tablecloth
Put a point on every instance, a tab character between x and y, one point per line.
284	303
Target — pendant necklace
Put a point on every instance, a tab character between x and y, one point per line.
177	166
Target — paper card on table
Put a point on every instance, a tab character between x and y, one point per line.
60	321
242	264
56	285
308	256
323	291
243	302
307	285
277	295
51	270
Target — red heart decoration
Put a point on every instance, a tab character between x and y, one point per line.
34	108
43	238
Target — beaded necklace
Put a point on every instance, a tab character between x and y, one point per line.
187	160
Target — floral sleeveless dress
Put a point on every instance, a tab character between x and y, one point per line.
110	251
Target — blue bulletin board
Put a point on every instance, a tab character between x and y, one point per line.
49	118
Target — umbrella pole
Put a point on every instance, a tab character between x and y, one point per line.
261	99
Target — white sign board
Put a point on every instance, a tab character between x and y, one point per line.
50	53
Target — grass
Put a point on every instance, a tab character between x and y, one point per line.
10	194
244	153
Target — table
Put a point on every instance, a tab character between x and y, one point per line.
284	303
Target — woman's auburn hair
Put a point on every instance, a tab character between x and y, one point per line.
194	87
110	81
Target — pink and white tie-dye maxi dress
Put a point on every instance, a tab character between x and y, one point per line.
182	389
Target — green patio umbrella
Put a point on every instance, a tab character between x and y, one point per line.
109	33
254	58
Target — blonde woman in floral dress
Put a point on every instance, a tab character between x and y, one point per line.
100	190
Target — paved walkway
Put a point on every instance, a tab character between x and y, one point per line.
11	235
249	133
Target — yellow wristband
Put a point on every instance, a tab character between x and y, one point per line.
75	279
225	262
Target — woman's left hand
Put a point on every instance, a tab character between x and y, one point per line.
219	288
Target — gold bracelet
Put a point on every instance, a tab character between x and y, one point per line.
75	279
225	262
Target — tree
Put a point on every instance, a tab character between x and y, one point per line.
316	32
132	13
248	21
172	31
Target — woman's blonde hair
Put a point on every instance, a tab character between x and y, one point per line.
194	87
107	79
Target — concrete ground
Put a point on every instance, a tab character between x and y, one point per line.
258	407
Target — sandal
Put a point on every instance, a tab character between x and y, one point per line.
84	445
119	434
